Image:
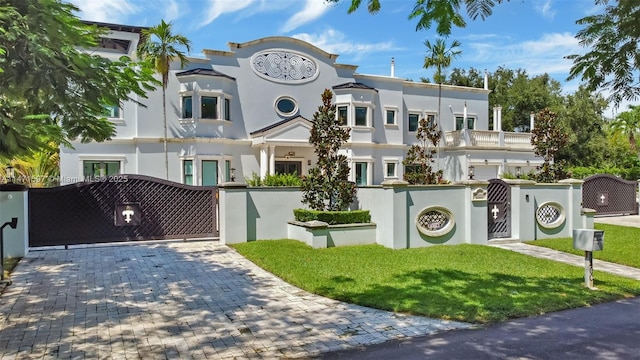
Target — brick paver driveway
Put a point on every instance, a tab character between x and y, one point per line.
177	300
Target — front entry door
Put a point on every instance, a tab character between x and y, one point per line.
499	209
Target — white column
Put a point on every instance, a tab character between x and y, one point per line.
495	118
263	161
464	117
272	160
499	110
531	121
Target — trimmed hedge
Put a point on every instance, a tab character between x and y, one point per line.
333	217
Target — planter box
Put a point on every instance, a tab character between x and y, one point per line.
318	234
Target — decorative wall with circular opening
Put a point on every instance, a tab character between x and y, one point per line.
286	106
550	215
435	221
284	66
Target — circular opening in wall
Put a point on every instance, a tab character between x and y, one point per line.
435	221
286	106
550	215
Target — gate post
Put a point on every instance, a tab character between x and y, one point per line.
233	212
14	203
522	209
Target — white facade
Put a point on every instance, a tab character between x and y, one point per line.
251	108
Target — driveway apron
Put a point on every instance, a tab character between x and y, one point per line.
178	300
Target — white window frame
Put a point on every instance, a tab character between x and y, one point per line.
369	117
414	112
121	158
351	113
219	95
193	168
184	94
347	105
395	116
427	113
352	173
461	115
391	160
197	167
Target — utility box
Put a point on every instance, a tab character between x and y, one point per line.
588	239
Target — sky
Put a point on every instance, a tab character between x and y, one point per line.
534	35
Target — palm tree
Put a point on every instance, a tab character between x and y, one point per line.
161	47
440	57
627	123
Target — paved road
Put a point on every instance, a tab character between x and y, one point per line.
177	300
605	331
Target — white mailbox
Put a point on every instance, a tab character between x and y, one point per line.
588	239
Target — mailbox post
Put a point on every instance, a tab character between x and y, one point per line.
588	240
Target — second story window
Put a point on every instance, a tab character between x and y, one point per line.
187	107
414	120
361	116
460	122
342	115
391	117
209	107
227	109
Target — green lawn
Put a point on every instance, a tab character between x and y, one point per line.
470	283
621	245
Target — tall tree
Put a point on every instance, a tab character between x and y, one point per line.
548	137
627	123
613	61
420	156
582	115
327	186
444	13
53	92
161	48
439	56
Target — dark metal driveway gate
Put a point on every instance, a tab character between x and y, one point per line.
610	195
499	209
121	208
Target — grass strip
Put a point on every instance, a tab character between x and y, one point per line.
471	283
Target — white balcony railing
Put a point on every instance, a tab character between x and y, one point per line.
485	138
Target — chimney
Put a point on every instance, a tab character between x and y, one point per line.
393	67
486	80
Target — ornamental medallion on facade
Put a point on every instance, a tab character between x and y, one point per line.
284	66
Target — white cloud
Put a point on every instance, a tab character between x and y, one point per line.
543	55
335	42
173	10
544	8
110	11
219	7
312	10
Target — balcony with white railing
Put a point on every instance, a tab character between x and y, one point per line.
485	138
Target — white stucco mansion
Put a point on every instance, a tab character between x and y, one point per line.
250	109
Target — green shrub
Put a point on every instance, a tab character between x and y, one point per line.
274	180
630	173
333	217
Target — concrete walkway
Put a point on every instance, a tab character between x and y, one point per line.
550	254
178	300
545	253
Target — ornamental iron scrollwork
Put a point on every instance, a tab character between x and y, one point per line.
284	66
435	221
550	215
